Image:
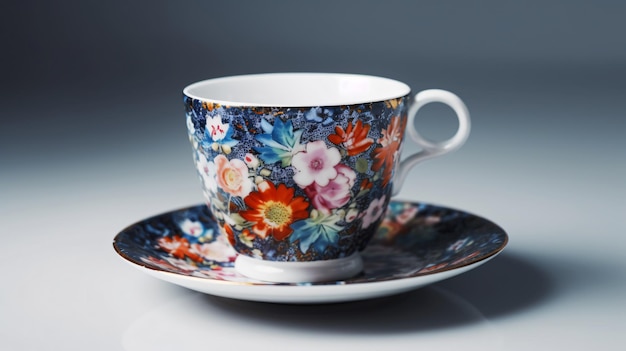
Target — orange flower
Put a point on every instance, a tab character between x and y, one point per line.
366	184
178	247
385	155
273	209
354	139
230	235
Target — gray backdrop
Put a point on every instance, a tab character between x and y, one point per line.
98	54
92	138
88	81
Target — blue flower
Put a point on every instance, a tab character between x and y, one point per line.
280	140
318	231
317	114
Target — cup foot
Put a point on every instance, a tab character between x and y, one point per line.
300	272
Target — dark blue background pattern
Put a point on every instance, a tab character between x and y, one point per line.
316	123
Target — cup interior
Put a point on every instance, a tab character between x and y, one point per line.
296	89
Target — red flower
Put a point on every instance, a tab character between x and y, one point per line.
366	184
354	139
178	247
230	235
273	209
386	154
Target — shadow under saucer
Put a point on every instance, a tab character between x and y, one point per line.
425	309
200	320
445	315
511	284
508	285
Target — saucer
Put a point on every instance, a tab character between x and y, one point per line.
417	244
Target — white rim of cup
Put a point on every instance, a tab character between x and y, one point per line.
296	89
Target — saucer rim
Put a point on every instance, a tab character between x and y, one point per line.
470	263
308	294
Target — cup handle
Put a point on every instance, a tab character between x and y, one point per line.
432	149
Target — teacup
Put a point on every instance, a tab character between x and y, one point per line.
298	168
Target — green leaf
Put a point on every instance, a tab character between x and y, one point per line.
361	165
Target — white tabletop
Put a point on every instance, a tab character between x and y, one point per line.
548	165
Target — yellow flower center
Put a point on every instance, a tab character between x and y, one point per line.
277	214
232	178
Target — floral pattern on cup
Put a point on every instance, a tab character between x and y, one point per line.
297	184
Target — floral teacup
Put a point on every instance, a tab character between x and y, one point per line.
298	168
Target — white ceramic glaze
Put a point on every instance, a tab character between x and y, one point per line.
432	149
296	89
307	294
298	272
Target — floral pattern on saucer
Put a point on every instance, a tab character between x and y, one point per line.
414	239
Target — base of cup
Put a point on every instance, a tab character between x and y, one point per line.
300	272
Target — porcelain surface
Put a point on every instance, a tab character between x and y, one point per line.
297	184
302	166
417	244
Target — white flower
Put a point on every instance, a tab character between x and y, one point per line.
251	160
190	127
216	128
193	228
219	251
207	171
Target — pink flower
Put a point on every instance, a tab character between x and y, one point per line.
334	194
315	164
232	176
219	250
374	211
